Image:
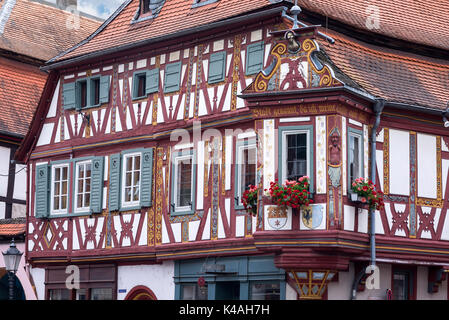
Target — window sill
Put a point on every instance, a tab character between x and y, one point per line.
140	98
182	213
71	215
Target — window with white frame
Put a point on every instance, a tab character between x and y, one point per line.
59	189
296	153
183	183
354	156
246	168
83	186
131	179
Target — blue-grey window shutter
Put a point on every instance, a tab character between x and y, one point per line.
254	58
96	189
152	81
217	65
104	89
172	77
147	178
42	191
68	93
114	182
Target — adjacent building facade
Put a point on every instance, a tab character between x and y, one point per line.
28	38
149	131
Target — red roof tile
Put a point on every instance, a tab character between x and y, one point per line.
175	16
423	22
394	75
21	86
40	31
12	229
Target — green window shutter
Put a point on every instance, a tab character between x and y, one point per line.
146	186
152	82
104	89
254	58
172	77
114	182
42	191
68	93
217	64
96	189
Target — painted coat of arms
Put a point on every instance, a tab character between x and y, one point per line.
277	217
312	216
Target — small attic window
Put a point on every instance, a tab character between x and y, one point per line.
145	5
200	3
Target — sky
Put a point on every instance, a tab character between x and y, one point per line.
99	8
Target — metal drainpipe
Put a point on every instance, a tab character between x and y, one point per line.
377	108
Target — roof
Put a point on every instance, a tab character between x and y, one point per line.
40	31
12	227
175	16
391	74
423	22
21	86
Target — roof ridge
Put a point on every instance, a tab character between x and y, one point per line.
101	28
388	55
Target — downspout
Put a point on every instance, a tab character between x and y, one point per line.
377	108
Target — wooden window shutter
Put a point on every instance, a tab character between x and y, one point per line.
68	93
254	58
152	82
104	89
114	182
147	178
172	77
96	189
42	191
217	65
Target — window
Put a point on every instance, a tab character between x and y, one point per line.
59	294
141	85
145	82
59	190
217	65
296	153
95	92
193	292
402	285
355	158
254	58
145	6
265	291
131	175
246	167
86	93
83	186
82	94
131	180
200	3
183	183
101	294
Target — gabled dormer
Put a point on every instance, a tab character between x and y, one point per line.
149	9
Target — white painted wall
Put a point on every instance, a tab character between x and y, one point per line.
422	283
399	162
158	278
427	166
4	170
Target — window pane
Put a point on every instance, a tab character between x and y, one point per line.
56	203
87	200
88	170
296	156
57	174
64	202
79	201
81	294
193	292
184	182
129	164
265	291
64	173
128	179
136	194
57	188
101	294
59	294
87	185
400	286
127	194
137	163
354	158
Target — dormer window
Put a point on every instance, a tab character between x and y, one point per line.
200	3
145	5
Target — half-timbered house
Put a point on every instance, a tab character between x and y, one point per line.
150	130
